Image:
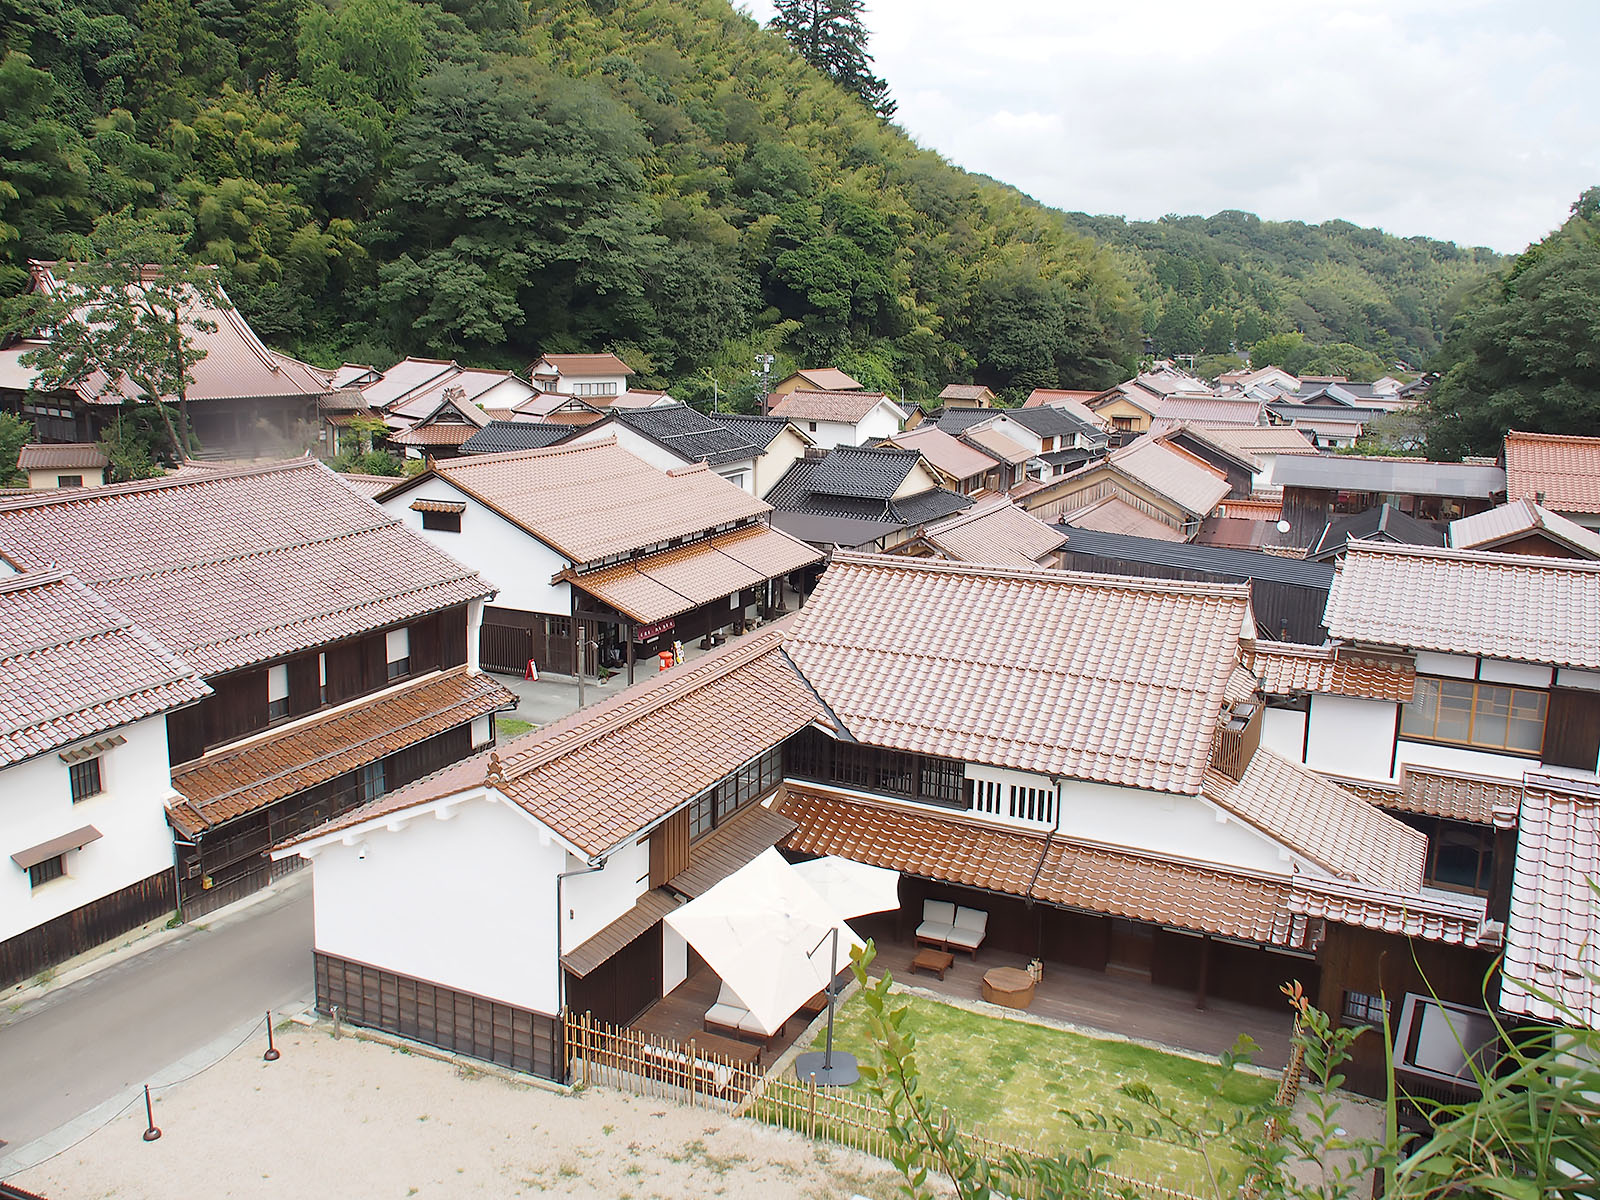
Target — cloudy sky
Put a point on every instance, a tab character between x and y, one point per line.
1477	121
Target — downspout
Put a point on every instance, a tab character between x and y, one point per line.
1049	838
561	974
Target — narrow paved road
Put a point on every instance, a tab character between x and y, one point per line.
81	1045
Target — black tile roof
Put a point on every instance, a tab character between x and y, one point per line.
692	435
860	484
932	505
499	436
859	471
1051	422
1385	523
1225	563
759	431
956	421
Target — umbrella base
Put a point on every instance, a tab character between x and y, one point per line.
841	1074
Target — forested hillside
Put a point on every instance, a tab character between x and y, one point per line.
485	180
1207	284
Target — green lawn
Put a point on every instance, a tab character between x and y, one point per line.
510	727
1011	1081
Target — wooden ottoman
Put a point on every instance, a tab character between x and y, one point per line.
1010	987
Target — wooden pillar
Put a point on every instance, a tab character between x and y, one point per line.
1205	970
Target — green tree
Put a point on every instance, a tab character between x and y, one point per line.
1525	351
45	171
830	35
122	317
1342	358
15	433
1286	350
130	443
1178	330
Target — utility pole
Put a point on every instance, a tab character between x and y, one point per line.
764	374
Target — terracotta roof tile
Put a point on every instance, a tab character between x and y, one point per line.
233	567
1264	439
1252	509
1287	667
829	379
670	582
649	909
1112	514
1207	410
1510	606
1323	822
1456	796
997	445
954	457
442	434
997	532
1435	917
558	495
1565	470
731	845
585	364
370	486
1093	676
72	667
611	770
848	407
971	853
964	391
245	777
65	456
1168	471
1552	955
1517	519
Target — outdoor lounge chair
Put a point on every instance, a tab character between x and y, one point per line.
938	920
971	926
729	1016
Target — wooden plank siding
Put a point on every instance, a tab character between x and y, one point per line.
355	667
84	928
460	1022
1572	729
669	848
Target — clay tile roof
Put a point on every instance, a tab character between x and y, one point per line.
1510	606
234	567
369	486
1434	917
1251	510
670	582
1207	410
1342	834
1264	439
998	445
972	853
1565	470
1074	402
954	457
612	770
1287	667
444	434
964	391
559	494
1194	485
1091	676
586	364
1115	515
997	532
829	379
731	845
1518	519
1552	956
848	407
72	667
1455	795
65	456
250	775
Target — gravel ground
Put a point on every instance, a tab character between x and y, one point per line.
353	1118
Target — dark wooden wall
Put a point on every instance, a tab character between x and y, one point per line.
1239	479
623	986
460	1022
356	667
1572	729
669	848
87	927
1361	960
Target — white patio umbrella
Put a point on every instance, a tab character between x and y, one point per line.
765	931
852	889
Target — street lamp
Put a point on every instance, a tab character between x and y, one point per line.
826	1068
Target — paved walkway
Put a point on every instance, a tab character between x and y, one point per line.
155	1010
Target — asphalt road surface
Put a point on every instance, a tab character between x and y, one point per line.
89	1042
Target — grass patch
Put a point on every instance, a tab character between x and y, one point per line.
1016	1083
510	727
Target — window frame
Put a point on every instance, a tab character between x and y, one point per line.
277	706
69	481
441	522
41	873
397	667
1475	711
80	770
1363	1008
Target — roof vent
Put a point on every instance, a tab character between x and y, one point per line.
1538	497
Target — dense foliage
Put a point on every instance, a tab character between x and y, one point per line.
1212	285
490	179
1525	351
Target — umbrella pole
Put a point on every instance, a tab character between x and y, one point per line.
833	993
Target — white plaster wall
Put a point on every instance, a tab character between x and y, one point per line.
674	958
658	456
742	474
879	423
1020	434
1454	666
829	434
43	480
507	556
1283	731
1462	758
1163	823
1351	737
595	900
1493	670
1570	677
36	805
466	902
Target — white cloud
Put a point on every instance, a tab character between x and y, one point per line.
1470	120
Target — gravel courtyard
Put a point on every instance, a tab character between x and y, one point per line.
352	1118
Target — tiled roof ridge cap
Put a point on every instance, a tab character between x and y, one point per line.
1363	547
1438	903
957	520
160	483
1552	437
557	739
1053	575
